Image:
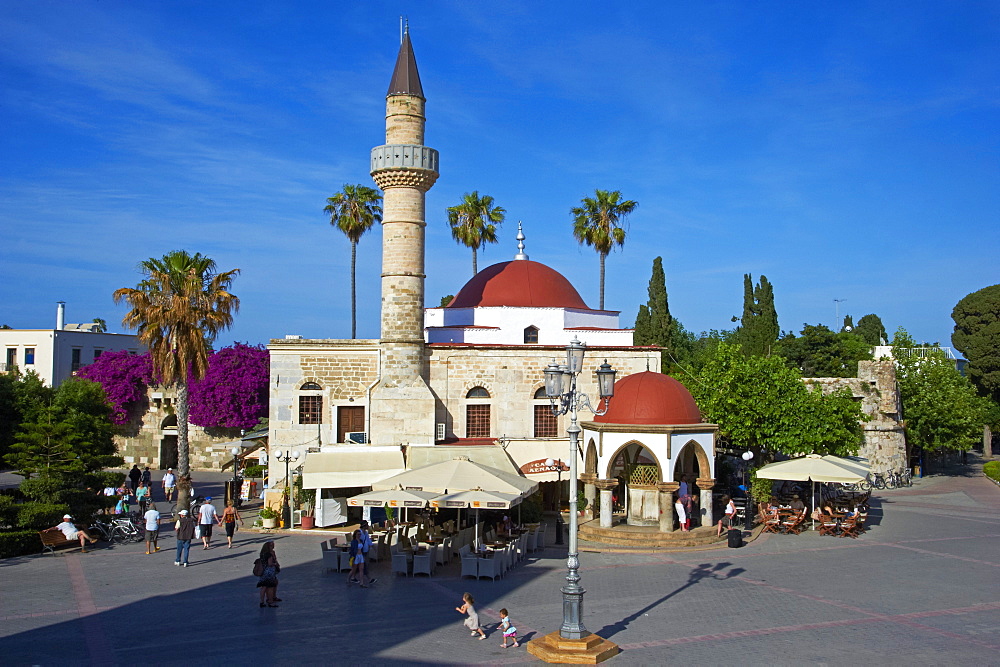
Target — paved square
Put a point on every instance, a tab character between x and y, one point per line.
920	587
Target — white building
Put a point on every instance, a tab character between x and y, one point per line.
55	354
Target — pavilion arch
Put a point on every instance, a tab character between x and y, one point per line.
691	450
590	459
631	459
170	421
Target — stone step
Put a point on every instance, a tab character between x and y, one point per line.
646	536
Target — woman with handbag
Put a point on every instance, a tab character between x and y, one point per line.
229	518
269	568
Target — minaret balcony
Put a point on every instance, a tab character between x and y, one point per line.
404	156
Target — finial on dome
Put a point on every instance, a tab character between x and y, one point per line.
520	243
647	364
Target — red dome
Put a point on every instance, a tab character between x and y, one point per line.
519	283
651	398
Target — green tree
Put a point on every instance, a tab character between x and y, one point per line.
353	211
599	224
446	299
761	404
475	221
653	323
848	324
758	330
940	407
821	353
102	326
977	337
45	447
178	309
871	330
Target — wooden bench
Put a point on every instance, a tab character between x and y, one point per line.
54	539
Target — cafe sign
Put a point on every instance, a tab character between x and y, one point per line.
538	467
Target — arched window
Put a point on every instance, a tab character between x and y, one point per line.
530	335
477	415
311	404
546	424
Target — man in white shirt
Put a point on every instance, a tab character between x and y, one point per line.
169	484
206	517
152	518
70	531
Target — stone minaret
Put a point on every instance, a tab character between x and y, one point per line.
402	406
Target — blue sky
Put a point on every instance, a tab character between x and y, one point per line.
844	150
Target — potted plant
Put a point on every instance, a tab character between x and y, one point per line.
308	519
269	517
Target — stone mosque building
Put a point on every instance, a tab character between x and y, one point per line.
467	379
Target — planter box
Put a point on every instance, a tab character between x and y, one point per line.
269	523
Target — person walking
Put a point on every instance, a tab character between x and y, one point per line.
508	629
229	518
472	622
135	476
169	484
185	533
152	518
207	516
143	495
268	581
357	561
366	545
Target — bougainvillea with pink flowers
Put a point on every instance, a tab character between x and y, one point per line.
233	393
125	378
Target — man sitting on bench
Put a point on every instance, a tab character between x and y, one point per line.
71	532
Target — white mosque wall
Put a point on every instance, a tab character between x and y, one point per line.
499	325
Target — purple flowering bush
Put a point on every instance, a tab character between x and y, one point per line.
125	378
233	393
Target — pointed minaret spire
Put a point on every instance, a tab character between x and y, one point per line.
520	243
405	78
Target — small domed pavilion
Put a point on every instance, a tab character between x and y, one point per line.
637	452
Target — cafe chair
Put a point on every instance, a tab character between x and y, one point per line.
442	552
470	564
422	563
331	557
828	525
399	564
489	567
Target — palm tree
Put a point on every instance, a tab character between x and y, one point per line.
597	223
475	221
354	211
178	309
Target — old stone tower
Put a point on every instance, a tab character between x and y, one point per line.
402	405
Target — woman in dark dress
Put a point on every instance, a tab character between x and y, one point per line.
268	582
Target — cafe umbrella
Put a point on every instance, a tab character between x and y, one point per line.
395	498
477	499
815	468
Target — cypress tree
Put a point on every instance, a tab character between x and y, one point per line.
871	329
653	324
758	329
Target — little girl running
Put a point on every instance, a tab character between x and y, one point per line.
508	629
472	622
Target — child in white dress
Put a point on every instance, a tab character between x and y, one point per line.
472	622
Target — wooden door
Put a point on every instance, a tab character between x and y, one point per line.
350	418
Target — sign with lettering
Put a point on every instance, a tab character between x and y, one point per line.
538	467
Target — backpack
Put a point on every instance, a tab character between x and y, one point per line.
258	568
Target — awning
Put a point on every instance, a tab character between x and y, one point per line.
530	456
491	456
351	467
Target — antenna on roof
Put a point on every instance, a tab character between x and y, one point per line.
404	27
520	243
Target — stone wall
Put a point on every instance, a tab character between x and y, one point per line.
152	430
876	388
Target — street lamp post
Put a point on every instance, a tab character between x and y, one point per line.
747	456
549	463
561	390
286	509
235	492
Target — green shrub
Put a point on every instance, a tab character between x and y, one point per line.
761	489
531	508
268	513
37	516
8	512
992	469
253	472
19	543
